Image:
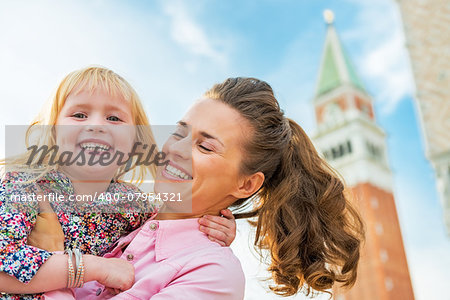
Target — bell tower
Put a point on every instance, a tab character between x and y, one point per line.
349	138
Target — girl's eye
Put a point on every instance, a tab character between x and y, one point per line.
79	116
114	119
205	148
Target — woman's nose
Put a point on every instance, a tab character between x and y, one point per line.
182	148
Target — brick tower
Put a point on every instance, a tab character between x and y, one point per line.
351	141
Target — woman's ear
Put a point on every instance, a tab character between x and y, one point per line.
248	185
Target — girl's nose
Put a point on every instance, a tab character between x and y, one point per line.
95	128
96	124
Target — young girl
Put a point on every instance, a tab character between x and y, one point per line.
107	108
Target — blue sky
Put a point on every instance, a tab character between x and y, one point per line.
172	51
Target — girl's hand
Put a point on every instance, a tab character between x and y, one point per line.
47	234
219	229
116	274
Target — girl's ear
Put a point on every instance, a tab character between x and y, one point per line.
248	185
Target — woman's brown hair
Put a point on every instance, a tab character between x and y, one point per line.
304	219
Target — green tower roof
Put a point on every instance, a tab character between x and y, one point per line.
336	68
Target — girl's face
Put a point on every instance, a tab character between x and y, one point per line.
207	149
95	119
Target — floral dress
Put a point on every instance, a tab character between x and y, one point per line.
92	227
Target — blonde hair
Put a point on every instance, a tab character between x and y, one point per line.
90	79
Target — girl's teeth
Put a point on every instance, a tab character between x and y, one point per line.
91	147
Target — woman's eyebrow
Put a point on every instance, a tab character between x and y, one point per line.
203	133
208	136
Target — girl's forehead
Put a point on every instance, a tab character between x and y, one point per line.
80	94
97	99
92	88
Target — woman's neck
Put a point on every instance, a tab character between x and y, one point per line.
165	214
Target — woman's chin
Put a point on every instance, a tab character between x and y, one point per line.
176	196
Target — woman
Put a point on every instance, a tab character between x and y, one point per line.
245	154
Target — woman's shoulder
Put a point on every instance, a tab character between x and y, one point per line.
220	268
216	257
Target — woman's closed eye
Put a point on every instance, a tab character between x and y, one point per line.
205	148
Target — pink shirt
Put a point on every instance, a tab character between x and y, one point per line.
174	260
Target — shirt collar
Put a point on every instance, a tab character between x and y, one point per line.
171	237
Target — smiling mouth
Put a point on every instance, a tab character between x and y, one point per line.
173	171
94	146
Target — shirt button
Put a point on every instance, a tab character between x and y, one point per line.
153	226
98	292
76	219
130	257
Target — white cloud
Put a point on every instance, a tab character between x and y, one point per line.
383	62
387	66
189	34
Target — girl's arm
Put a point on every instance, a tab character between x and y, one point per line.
16	257
111	272
27	269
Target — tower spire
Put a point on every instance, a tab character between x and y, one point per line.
336	68
328	15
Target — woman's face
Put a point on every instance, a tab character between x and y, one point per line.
206	152
96	120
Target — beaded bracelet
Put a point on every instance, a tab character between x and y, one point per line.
76	276
71	277
79	277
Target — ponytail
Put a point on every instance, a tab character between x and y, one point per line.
305	221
